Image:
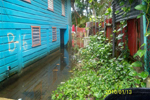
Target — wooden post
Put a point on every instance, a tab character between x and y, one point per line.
105	26
113	23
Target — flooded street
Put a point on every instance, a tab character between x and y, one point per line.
41	79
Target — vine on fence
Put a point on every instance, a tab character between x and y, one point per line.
140	53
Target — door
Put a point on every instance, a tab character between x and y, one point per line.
62	31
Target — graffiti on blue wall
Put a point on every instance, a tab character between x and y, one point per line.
11	41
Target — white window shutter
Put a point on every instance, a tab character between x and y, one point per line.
63	7
50	4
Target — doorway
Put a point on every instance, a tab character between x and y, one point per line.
62	32
62	49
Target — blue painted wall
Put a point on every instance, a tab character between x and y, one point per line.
16	19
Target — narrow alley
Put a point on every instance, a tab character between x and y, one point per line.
41	79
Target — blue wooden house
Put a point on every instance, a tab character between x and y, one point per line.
31	29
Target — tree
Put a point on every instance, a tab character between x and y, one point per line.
83	9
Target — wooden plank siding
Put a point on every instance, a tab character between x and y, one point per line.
16	19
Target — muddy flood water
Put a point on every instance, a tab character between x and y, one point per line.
39	81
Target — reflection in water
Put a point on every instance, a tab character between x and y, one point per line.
34	93
55	70
64	59
40	81
38	91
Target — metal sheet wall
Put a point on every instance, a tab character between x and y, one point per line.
132	14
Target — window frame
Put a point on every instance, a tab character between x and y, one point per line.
63	4
27	1
55	33
52	5
39	35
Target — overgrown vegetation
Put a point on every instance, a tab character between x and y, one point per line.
145	8
99	72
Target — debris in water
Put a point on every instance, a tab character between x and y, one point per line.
69	66
5	99
62	83
70	71
79	61
55	70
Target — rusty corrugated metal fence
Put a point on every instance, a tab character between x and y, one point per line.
132	14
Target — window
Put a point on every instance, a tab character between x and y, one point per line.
54	33
63	7
27	1
50	5
36	35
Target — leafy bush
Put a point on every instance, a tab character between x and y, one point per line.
99	72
